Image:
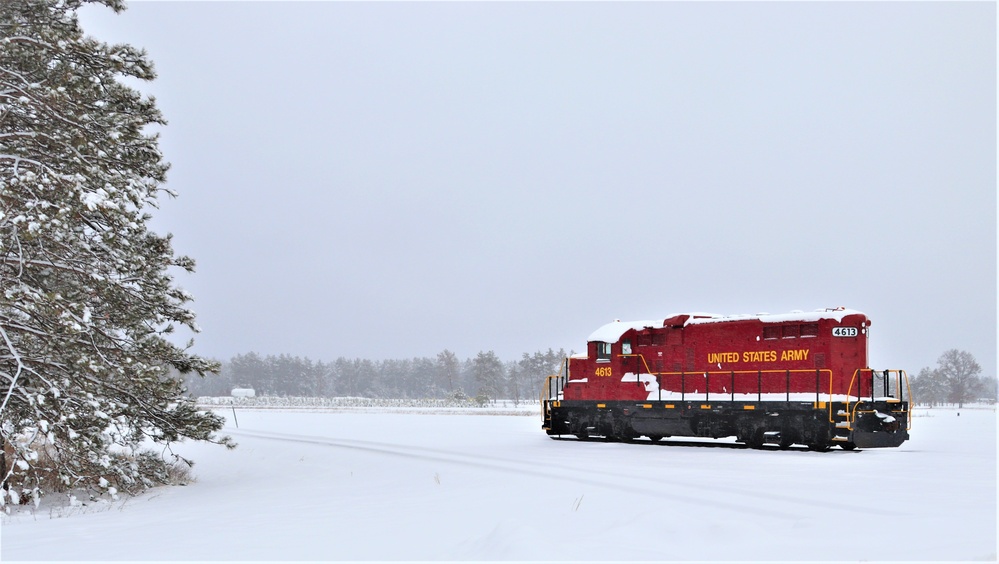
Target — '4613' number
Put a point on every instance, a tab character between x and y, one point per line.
603	371
844	331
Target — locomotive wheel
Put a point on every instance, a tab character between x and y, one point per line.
848	446
655	438
756	439
818	447
785	442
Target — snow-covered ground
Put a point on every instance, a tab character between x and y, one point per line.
348	485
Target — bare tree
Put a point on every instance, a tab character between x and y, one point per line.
960	374
447	365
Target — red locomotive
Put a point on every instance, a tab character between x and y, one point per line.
779	379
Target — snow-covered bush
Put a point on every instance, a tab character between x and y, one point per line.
93	476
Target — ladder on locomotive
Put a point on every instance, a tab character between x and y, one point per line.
551	393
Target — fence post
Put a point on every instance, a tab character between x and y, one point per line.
234	420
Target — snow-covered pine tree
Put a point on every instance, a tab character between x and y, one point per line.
488	372
86	297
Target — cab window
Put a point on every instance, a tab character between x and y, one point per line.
603	351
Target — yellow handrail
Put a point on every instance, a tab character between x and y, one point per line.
908	413
774	371
545	396
831	418
710	372
849	414
641	356
899	376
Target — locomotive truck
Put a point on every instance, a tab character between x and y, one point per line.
795	378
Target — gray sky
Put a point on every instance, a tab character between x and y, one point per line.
386	180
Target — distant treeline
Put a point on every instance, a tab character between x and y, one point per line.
957	379
444	376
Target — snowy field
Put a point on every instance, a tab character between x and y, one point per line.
348	485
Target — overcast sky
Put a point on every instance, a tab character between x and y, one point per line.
386	180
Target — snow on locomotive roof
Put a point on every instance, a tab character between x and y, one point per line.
612	332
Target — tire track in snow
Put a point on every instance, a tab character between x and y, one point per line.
768	496
551	472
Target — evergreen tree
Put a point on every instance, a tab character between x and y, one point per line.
532	370
424	370
488	371
515	376
928	388
220	384
248	371
86	300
